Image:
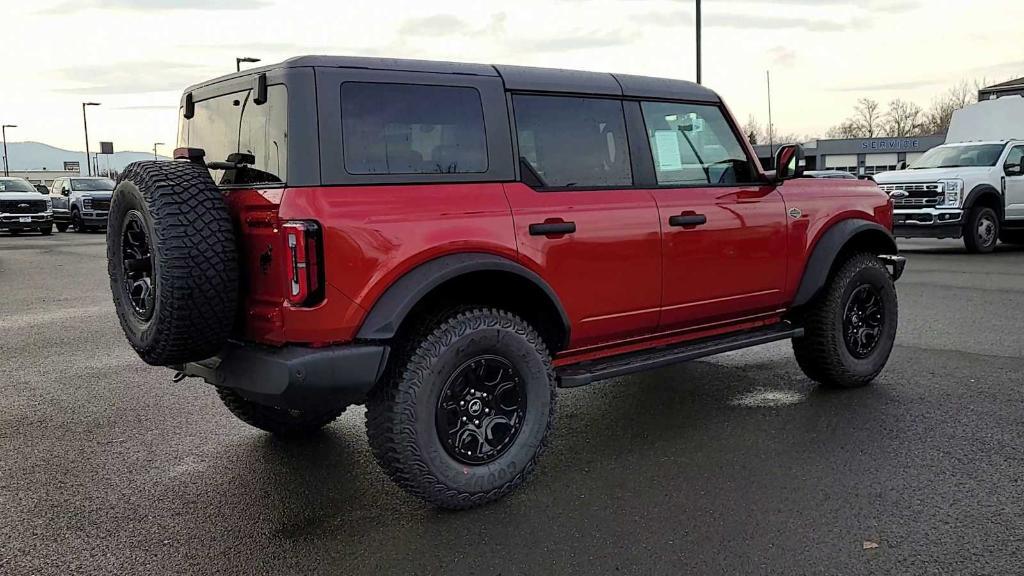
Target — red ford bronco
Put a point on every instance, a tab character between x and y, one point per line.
449	243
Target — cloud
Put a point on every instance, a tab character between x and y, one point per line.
134	77
154	5
887	86
435	25
890	6
782	55
578	41
748	21
663	18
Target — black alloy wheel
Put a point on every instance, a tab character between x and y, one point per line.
863	321
481	410
137	263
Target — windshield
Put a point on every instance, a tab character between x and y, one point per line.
956	156
15	185
92	184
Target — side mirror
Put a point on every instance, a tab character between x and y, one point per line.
902	165
789	162
65	192
1013	169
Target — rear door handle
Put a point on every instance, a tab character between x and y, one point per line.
552	228
688	220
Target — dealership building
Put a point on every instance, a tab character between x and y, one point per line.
859	156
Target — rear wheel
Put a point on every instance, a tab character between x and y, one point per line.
850	328
278	421
466	410
981	233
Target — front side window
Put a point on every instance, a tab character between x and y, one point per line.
1014	160
570	142
693	144
232	123
412	129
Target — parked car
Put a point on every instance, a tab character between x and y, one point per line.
836	174
81	201
450	242
22	209
971	187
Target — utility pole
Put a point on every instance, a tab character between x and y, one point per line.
771	129
6	161
85	123
155	144
698	41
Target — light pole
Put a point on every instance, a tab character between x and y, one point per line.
698	41
4	130
155	144
238	62
86	124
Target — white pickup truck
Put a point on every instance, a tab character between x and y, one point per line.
971	187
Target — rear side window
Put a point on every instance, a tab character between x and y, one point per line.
573	142
693	144
231	124
412	129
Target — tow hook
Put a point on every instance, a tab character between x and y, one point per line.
896	263
178	377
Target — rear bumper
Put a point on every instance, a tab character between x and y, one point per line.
294	377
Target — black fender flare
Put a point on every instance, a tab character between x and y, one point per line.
828	248
980	191
388	312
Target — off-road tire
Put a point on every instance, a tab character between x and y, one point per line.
46	230
277	421
62	227
822	352
78	222
193	258
400	418
972	238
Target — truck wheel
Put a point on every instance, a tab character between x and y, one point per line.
850	328
62	227
982	230
78	222
172	262
46	230
466	410
277	421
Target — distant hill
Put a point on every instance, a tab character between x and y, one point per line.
37	156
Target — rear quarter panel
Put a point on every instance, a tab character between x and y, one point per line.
375	234
822	203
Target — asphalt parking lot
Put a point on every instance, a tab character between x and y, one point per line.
734	465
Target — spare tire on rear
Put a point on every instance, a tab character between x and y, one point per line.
172	261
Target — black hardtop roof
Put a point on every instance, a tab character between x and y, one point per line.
523	78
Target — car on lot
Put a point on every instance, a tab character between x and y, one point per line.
22	209
448	243
81	202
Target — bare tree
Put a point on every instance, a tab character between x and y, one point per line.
904	119
753	130
936	120
866	121
847	129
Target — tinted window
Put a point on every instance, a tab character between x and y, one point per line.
693	144
233	123
573	142
412	129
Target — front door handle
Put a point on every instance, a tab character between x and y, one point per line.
688	220
552	228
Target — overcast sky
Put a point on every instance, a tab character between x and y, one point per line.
135	56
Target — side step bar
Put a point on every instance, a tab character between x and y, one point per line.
595	370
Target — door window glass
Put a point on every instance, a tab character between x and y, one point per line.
573	142
693	144
1013	160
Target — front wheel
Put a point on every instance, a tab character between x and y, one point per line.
850	328
982	230
62	227
46	230
466	410
78	222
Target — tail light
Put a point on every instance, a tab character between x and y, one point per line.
304	243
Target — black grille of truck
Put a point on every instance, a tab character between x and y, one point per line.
101	204
913	195
22	206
